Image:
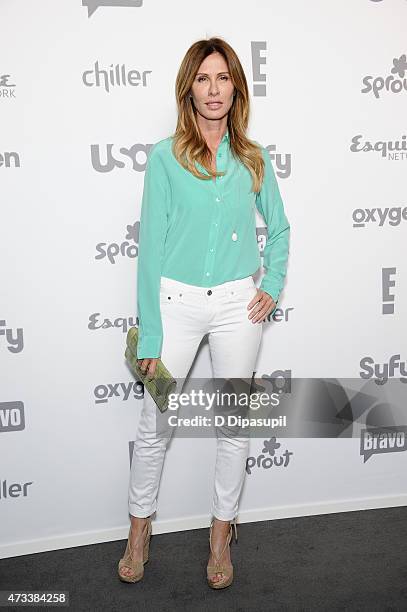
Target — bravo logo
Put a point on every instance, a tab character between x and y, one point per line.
379	441
93	5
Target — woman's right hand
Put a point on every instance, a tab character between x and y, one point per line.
148	365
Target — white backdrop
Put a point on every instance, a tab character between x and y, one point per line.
72	158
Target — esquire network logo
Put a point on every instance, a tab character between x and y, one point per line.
390	149
390	83
7	89
96	321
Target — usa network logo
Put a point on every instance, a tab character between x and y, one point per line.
93	5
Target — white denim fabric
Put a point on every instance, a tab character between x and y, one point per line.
188	313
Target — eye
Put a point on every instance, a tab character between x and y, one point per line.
199	78
225	77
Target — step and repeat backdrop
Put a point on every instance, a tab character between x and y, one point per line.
86	89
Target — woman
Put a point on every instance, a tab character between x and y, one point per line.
197	253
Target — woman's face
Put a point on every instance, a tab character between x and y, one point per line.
212	89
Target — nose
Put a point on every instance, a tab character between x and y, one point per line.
213	89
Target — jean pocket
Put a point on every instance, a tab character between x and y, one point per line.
244	294
170	297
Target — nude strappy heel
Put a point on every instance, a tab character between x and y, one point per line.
226	570
137	567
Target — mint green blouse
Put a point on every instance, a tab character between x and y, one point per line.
186	227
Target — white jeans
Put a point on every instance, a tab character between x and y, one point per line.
188	313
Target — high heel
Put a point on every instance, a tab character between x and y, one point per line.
216	568
137	567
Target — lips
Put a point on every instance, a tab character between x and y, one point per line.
214	104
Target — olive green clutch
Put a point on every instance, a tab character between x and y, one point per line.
161	384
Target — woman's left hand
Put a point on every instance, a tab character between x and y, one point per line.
263	304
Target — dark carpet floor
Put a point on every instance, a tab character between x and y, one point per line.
345	561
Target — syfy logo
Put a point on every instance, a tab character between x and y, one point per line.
15	341
382	372
93	5
12	416
389	83
380	441
269	457
6	157
392	150
282	162
116	76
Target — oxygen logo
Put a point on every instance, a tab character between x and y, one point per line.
393	150
380	441
382	372
7	157
93	5
362	216
390	83
127	248
115	76
120	323
269	457
103	393
7	90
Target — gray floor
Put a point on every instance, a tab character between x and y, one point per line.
346	561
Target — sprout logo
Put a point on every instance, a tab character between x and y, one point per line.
267	461
128	248
389	83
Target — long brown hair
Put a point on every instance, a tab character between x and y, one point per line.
189	146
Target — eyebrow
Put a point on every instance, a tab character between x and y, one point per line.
206	74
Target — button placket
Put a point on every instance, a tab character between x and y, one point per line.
218	200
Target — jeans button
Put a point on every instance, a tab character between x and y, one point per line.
209	292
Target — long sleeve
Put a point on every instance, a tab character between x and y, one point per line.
270	205
153	230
